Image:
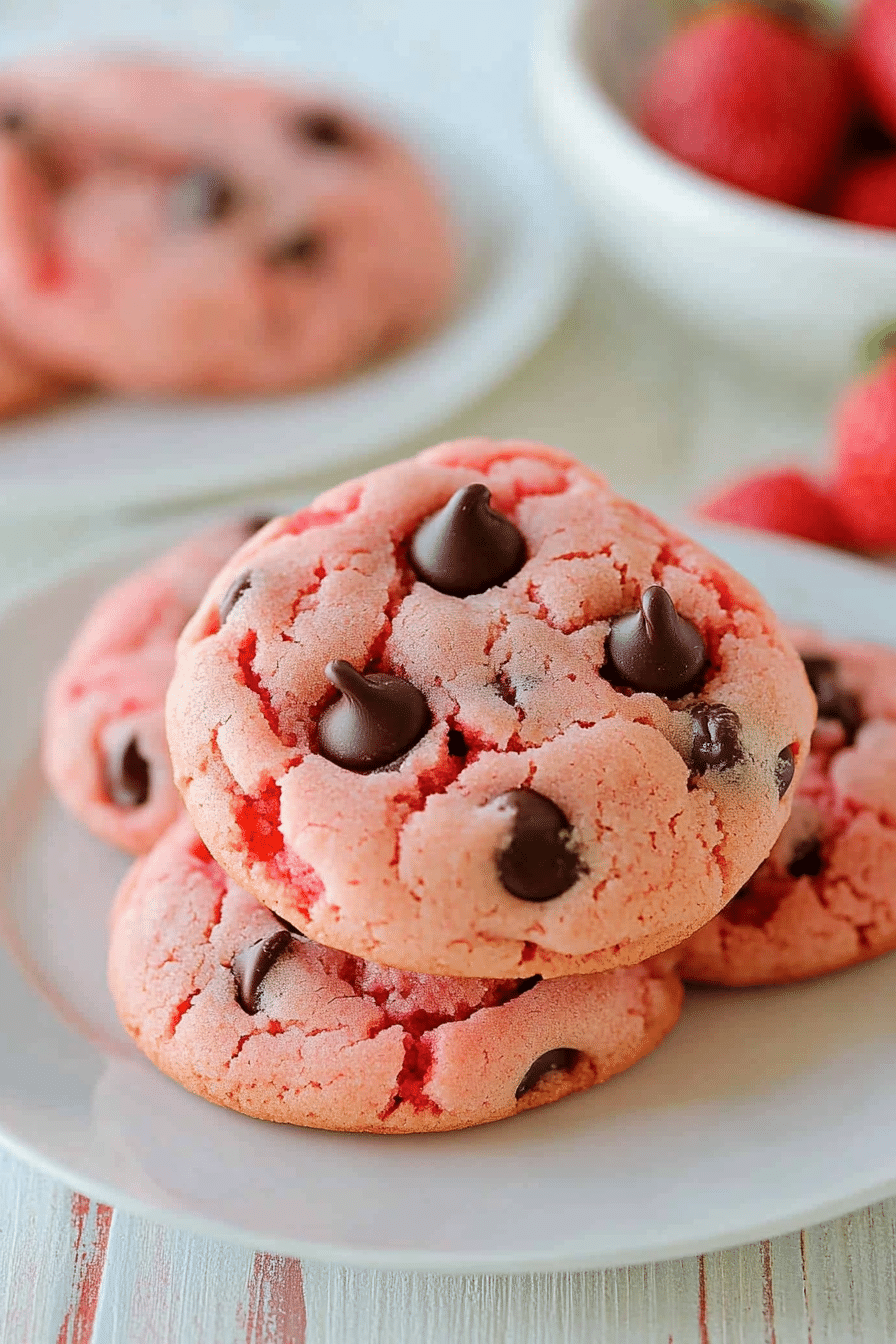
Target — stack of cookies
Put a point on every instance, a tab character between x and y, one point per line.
462	768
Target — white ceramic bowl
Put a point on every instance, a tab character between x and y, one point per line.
797	288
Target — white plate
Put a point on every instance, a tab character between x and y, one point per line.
521	255
764	1111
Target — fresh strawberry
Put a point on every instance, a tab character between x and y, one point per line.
752	95
873	51
783	499
866	193
865	464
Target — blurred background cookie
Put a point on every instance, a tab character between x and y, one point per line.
166	230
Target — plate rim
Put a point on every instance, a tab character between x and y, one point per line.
433	1262
143	540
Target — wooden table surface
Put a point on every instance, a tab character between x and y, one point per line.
76	1272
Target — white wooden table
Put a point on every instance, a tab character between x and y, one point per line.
76	1272
625	389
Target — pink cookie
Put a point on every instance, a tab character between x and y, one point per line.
167	230
529	811
252	1016
826	896
104	745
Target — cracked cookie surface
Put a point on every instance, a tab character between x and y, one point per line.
305	1035
662	806
826	896
104	748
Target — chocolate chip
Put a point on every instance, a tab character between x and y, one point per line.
834	700
755	904
376	719
303	249
715	738
42	152
467	547
807	860
655	649
250	967
785	766
12	121
241	584
819	670
537	863
257	522
553	1061
127	777
202	196
457	743
323	129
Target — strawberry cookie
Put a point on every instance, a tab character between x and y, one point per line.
168	230
474	714
826	896
240	1008
104	746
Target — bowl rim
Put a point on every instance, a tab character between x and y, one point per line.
562	79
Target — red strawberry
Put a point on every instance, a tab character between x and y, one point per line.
752	96
865	465
866	193
873	50
783	499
